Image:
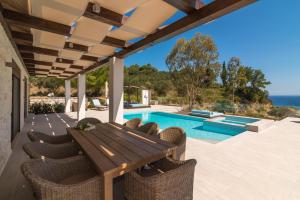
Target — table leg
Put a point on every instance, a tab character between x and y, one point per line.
108	188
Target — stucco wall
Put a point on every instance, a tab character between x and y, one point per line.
7	54
5	117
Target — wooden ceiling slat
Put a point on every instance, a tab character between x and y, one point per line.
93	66
42	70
45	51
89	58
76	47
63	60
27	37
27	55
68	72
37	23
54	73
110	41
37	62
63	76
29	65
76	67
104	15
58	68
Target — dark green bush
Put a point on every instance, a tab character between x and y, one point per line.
281	112
59	107
41	108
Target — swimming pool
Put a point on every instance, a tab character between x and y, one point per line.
194	127
239	120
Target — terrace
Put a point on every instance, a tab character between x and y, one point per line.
248	166
67	39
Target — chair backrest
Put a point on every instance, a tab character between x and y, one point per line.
149	128
174	135
47	170
133	123
96	102
90	120
53	151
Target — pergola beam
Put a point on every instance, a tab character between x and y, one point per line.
110	41
27	37
76	47
37	62
89	58
36	22
186	6
63	60
41	70
104	15
76	67
68	72
27	55
58	68
39	50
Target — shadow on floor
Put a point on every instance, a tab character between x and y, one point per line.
298	122
13	185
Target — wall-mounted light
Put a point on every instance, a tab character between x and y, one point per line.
96	8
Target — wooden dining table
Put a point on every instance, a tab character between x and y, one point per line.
115	150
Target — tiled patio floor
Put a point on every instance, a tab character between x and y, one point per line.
254	166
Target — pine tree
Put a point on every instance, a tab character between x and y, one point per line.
224	75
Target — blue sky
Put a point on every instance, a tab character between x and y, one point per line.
264	35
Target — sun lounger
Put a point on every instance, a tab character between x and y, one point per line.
97	104
206	113
135	105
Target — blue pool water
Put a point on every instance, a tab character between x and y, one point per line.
239	120
194	127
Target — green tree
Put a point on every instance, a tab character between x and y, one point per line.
95	81
192	63
224	75
232	70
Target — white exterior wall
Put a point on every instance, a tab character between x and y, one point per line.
7	54
5	117
22	109
67	96
116	84
81	96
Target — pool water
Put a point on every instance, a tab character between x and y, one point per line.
239	120
194	127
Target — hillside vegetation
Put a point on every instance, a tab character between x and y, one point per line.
195	79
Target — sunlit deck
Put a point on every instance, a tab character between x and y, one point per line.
261	165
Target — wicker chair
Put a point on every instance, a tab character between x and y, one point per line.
149	128
90	120
52	151
176	136
67	179
42	137
133	123
168	179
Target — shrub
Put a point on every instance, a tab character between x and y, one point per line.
59	107
281	112
41	108
225	106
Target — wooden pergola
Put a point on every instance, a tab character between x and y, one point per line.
67	38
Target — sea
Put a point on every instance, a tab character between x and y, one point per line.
293	101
